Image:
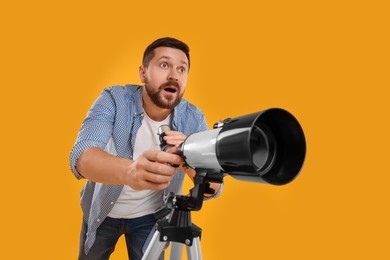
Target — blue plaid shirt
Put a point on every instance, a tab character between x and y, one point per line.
117	115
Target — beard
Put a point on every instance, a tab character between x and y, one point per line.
162	101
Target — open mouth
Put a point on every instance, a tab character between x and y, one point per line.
170	89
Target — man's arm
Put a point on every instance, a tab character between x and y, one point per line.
151	170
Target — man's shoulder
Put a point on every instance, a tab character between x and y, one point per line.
124	89
189	118
187	107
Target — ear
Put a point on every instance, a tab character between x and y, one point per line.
142	72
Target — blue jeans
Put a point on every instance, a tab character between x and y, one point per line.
135	230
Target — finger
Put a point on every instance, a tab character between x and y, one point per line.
173	149
157	178
149	167
162	157
172	132
174	142
174	135
167	169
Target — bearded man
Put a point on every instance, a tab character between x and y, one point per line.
117	150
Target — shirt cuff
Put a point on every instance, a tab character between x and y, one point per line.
77	150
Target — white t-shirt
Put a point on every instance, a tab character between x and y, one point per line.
136	203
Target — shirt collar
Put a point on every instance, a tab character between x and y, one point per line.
139	110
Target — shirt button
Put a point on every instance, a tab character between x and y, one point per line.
98	220
111	202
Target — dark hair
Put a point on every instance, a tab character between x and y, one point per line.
165	42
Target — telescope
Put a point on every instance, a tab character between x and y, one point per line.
265	147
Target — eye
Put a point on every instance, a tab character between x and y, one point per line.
182	70
164	65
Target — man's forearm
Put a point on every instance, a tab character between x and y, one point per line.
100	166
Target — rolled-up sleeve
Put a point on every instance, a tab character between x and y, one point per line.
96	128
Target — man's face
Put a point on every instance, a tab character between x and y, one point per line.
165	78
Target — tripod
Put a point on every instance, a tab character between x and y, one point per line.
178	227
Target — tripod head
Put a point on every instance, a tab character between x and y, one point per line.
194	200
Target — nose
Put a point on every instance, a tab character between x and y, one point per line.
172	76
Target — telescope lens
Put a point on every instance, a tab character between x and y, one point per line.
262	148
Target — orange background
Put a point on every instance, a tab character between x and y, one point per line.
327	62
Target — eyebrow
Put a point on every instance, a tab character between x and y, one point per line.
169	58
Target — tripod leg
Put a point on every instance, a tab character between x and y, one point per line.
194	252
176	251
155	247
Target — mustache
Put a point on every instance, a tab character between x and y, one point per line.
170	83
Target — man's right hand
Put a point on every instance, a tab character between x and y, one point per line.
152	170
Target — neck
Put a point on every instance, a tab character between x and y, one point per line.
154	112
